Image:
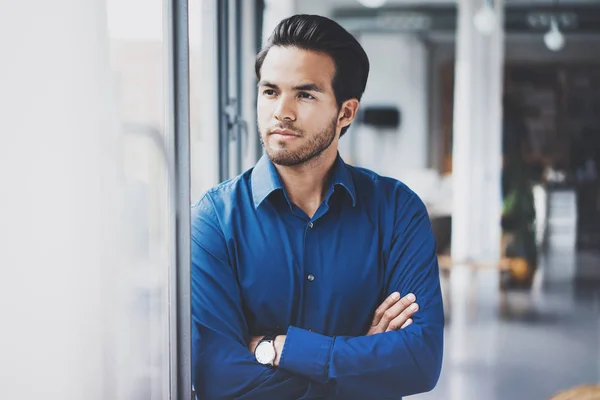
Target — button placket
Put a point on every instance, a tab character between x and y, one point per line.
310	277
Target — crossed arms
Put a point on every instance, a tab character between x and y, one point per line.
394	358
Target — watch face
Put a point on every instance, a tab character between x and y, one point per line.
265	353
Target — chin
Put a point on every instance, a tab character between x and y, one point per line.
282	148
281	157
287	158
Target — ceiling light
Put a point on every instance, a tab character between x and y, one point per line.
372	3
554	39
485	19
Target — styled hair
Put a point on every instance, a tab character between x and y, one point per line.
323	35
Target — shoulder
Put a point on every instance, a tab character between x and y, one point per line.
384	191
223	198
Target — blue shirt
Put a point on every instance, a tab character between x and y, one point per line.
260	265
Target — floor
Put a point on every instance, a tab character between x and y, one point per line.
522	345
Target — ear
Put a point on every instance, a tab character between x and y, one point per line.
347	113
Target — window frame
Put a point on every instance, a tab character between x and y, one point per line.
178	95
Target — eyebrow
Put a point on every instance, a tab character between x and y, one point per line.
308	87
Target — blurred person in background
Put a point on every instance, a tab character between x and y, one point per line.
306	272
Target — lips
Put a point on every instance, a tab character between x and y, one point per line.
284	133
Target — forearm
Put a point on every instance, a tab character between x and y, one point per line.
396	363
226	370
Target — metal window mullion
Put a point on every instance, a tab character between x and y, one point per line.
176	16
259	19
223	91
239	59
232	82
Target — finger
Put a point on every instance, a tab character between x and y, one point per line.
403	318
395	311
393	323
387	303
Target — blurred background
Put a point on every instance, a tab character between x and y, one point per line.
116	115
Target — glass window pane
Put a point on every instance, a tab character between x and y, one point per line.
204	133
138	310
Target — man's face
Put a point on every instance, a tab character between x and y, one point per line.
297	111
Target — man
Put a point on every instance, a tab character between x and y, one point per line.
298	264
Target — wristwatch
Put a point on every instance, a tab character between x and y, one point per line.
265	350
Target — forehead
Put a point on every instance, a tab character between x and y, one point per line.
291	66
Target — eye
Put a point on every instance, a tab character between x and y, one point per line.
269	92
304	95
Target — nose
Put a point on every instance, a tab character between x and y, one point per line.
285	109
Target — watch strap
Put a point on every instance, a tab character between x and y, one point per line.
268	338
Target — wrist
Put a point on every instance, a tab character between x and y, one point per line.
279	343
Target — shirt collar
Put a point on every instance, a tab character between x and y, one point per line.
265	179
342	177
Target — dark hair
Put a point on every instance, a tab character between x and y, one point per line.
323	35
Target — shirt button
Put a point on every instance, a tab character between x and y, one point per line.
311	277
310	225
310	330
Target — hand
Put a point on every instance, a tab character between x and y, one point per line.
394	313
279	342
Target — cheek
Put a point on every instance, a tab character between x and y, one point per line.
263	112
318	118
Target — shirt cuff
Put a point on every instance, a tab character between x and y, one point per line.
307	353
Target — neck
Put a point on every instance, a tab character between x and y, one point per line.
307	184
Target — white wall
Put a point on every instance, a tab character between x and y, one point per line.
318	7
398	77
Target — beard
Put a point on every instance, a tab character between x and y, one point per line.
308	151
